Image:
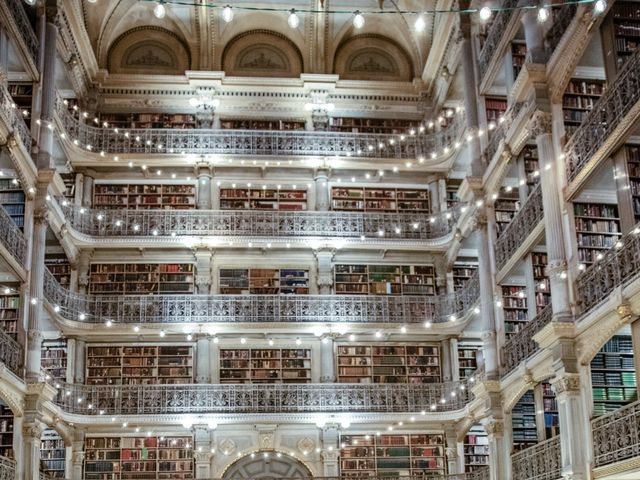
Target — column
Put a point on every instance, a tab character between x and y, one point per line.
31	433
204	186
434	196
202	451
533	34
18	444
79	361
330	450
553	229
499	449
4	57
446	360
635	341
470	95
489	341
70	373
323	199
324	261
203	278
83	265
327	357
77	456
36	98
45	135
442	194
455	361
87	190
451	447
214	360
203	372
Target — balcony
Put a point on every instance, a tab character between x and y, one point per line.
175	309
7	468
616	435
11	353
528	218
11	239
16	15
521	346
13	121
496	38
539	462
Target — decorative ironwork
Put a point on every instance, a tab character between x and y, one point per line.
146	309
524	222
13	119
501	129
7	468
23	26
12	238
495	35
619	266
539	462
256	142
562	18
261	398
607	114
11	353
251	223
616	435
521	345
479	474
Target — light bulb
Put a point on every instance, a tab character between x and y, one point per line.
543	14
598	7
92	1
159	11
358	19
485	13
420	24
194	102
293	19
30	2
227	13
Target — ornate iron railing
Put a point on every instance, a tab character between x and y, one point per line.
562	18
277	224
524	222
13	119
12	238
501	129
7	468
257	142
11	353
619	266
145	309
261	398
521	345
480	475
540	462
496	32
607	114
23	26
616	435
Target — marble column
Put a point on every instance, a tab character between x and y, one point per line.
330	449
323	199
324	280
83	265
31	433
79	361
470	96
18	446
4	57
327	357
203	201
203	364
489	341
499	449
453	461
203	278
202	451
434	196
76	462
214	360
87	190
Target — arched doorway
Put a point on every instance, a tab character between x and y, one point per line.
267	466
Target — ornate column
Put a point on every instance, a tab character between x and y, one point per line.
31	433
453	461
203	278
203	364
330	449
79	361
323	199
87	190
446	360
327	357
203	171
470	94
202	451
324	280
553	227
499	449
83	264
434	196
18	446
4	57
74	466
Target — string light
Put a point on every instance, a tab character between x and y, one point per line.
543	14
293	19
485	13
227	13
159	11
358	19
599	6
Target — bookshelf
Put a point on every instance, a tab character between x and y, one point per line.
10	310
506	206
514	307
6	431
249	124
385	280
134	458
60	268
621	34
529	156
579	98
265	365
52	454
461	275
392	455
139	364
141	278
144	196
388	363
550	411
523	422
69	180
495	108
54	358
476	449
148	120
363	199
613	376
21	94
451	190
371	125
264	281
12	199
263	199
632	164
467	360
543	287
518	54
597	229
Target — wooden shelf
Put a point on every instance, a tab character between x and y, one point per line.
461	275
476	449
60	268
263	199
541	279
467	360
613	376
495	108
141	278
10	310
22	96
453	185
148	120
144	196
518	55
264	281
523	422
578	100
265	365
529	156
249	124
506	206
6	431
54	359
514	307
597	229
12	199
52	454
384	280
371	125
363	199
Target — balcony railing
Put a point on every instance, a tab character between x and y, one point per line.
276	224
616	435
13	119
495	35
521	345
147	309
562	18
12	238
479	475
539	462
261	398
11	353
608	113
524	222
7	468
618	267
23	26
257	142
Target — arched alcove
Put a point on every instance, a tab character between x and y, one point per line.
270	466
372	57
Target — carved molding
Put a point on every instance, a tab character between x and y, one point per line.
567	383
541	123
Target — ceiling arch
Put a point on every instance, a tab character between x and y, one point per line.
266	467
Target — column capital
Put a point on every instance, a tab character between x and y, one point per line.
541	123
567	383
494	427
33	430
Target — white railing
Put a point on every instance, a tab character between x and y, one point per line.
616	435
12	238
13	119
539	462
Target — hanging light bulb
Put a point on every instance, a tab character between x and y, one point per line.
30	2
358	19
227	13
543	14
293	19
159	11
600	6
485	13
420	24
92	1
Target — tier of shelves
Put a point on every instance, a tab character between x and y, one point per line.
523	422
10	310
578	100
597	229
60	268
144	196
52	454
632	156
22	96
249	124
263	199
451	190
623	24
53	359
518	55
12	199
514	308
6	431
467	360
141	278
461	275
371	125
264	281
148	120
265	365
476	449
384	280
366	199
388	363
529	156
543	287
613	376
505	207
495	108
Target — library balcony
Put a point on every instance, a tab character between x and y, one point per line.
521	346
7	468
616	438
11	353
539	462
450	309
14	18
12	242
12	126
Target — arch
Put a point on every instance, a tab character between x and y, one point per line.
261	53
148	50
273	466
372	57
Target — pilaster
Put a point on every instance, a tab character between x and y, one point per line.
203	172
203	453
499	449
324	262
204	271
87	190
83	264
321	179
327	358
330	451
203	364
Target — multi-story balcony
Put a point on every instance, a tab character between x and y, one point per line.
15	19
540	462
